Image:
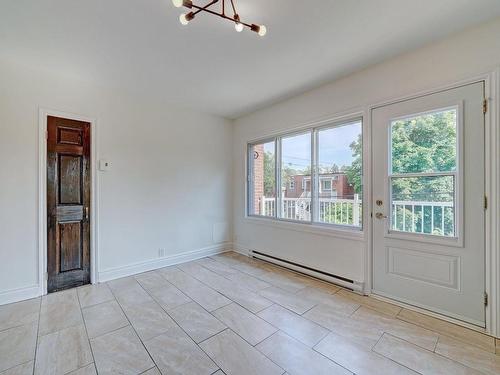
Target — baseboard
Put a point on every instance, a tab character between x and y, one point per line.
133	269
243	250
20	294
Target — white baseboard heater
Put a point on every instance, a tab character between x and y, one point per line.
322	275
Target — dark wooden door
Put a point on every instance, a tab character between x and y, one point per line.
68	203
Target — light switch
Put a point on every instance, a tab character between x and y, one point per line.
104	165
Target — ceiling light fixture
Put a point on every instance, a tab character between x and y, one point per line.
185	18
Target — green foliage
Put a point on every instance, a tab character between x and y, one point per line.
269	174
354	172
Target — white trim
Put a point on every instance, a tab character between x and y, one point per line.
355	234
149	265
492	155
20	294
42	195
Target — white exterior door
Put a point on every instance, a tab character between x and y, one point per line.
428	202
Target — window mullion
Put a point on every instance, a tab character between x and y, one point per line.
314	177
277	171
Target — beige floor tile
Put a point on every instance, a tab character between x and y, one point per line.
104	318
58	311
217	267
175	353
132	295
19	313
150	280
120	352
449	329
380	306
384	323
236	357
90	295
337	302
87	370
418	359
205	296
246	267
469	355
288	283
153	371
318	284
497	346
247	281
23	369
218	372
363	333
297	358
63	351
17	345
196	321
249	326
168	296
296	326
122	283
246	298
148	319
297	304
358	359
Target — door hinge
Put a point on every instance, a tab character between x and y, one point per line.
485	299
485	106
485	202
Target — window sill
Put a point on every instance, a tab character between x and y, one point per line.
323	230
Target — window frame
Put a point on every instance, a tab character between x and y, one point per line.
314	178
457	175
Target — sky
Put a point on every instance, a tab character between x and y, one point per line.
333	147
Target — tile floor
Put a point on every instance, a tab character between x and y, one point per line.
229	314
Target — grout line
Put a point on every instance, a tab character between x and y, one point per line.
37	332
85	326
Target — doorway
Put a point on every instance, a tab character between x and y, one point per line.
68	190
428	202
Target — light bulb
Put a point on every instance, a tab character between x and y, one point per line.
238	26
262	30
183	19
177	3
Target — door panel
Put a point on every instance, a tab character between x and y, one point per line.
68	203
428	191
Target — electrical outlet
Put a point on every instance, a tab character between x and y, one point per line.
161	252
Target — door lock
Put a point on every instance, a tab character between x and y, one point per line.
380	215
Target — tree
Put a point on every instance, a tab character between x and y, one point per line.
269	175
354	171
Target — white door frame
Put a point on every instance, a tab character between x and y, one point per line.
42	194
492	187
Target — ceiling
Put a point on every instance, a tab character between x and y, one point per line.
140	46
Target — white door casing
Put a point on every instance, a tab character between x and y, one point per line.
441	273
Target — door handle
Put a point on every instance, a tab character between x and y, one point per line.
86	214
380	215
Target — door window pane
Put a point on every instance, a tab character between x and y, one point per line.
340	164
423	205
296	166
263	185
425	143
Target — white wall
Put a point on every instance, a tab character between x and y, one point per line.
168	186
462	56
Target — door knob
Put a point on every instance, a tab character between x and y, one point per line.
380	215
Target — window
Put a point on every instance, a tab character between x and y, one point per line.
423	176
330	195
296	161
326	185
262	189
340	154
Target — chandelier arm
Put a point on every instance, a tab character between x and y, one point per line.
201	9
205	9
234	8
